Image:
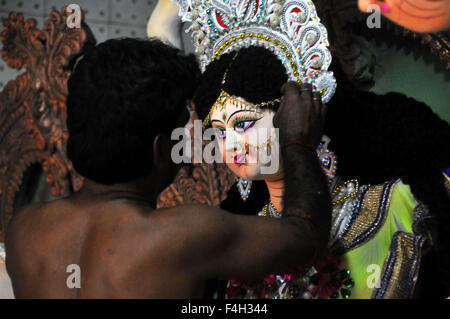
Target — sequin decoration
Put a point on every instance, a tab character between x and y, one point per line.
291	29
244	186
238	102
327	160
322	280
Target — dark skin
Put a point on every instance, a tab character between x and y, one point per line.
306	113
128	249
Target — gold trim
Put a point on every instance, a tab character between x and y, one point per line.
447	183
338	189
260	37
401	267
237	102
421	221
278	44
371	217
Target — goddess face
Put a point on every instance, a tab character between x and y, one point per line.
247	140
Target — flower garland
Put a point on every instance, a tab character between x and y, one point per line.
323	279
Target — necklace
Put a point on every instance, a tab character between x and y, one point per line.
346	200
269	210
351	187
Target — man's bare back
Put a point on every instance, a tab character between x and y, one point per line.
120	244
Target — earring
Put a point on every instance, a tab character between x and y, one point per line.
244	187
327	158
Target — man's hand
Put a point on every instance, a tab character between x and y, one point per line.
301	114
300	118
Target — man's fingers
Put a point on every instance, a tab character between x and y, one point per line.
324	111
290	91
306	92
317	102
289	88
306	87
319	106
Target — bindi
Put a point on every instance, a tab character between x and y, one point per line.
224	116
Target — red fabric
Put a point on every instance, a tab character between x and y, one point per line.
310	146
327	281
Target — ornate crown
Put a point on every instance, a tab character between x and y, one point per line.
290	29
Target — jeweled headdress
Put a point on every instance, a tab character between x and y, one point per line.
290	29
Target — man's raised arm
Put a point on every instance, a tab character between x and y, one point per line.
300	119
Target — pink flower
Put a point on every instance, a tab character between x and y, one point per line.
270	280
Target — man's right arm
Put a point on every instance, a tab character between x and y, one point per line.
218	244
300	119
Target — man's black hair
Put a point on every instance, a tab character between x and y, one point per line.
122	94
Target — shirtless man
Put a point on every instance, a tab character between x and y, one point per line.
122	95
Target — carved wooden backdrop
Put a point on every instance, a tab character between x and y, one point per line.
32	107
201	184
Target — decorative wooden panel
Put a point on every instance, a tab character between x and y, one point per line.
200	184
32	107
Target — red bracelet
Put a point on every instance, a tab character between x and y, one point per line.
300	216
310	146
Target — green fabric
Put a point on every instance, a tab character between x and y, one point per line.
400	217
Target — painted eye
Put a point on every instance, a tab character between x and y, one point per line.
221	132
242	126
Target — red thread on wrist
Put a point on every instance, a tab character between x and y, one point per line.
309	217
310	146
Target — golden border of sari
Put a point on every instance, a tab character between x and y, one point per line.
420	223
447	182
369	218
401	267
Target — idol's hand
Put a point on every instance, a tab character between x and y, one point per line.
416	15
301	115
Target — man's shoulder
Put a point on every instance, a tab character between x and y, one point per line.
28	210
28	215
30	207
183	218
190	211
37	208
